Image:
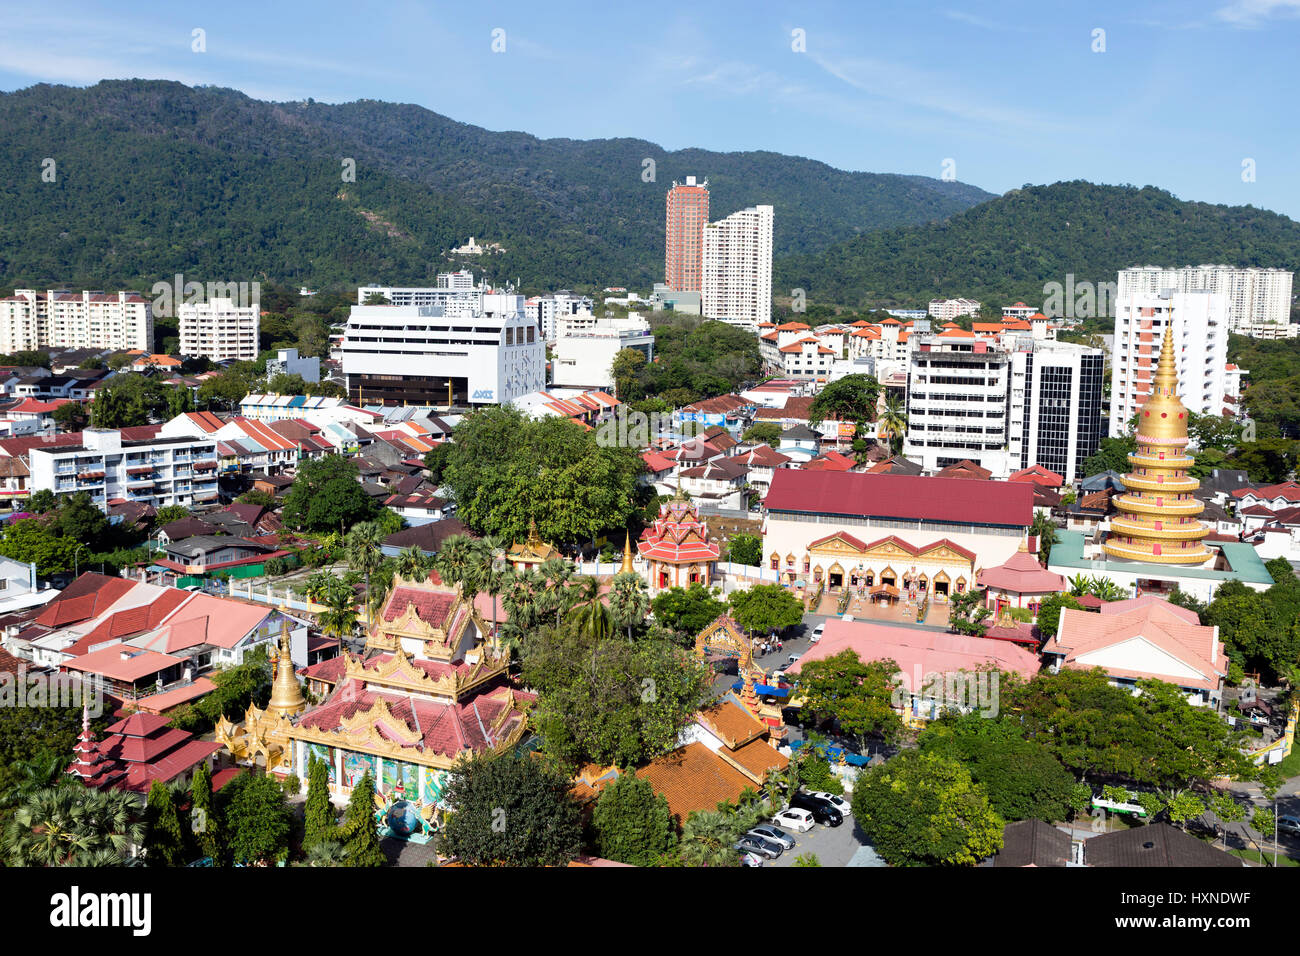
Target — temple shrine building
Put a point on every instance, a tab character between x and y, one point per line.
676	548
431	687
891	533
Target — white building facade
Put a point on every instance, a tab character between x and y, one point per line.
219	330
416	354
1200	325
31	320
159	471
585	348
1258	301
737	281
958	395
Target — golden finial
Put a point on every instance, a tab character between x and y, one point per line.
533	537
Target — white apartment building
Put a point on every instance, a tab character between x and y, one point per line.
1258	300
1200	325
807	359
945	310
585	348
737	282
218	329
1004	406
546	309
1018	311
31	320
158	471
480	349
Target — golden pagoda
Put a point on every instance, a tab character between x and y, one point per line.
534	551
1157	519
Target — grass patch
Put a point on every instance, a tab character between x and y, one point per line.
1266	859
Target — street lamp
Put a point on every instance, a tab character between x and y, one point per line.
75	566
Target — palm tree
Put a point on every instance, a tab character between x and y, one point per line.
340	615
892	422
557	572
454	560
708	839
589	614
487	576
326	853
412	564
1080	584
363	548
521	596
1044	528
629	601
74	826
321	585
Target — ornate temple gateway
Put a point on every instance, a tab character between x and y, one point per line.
1157	520
429	690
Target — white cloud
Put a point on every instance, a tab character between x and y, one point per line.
1254	13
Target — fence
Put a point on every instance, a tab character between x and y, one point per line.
270	595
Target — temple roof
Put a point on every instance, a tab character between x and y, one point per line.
1022	574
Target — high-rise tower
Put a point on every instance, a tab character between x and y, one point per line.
688	213
1157	513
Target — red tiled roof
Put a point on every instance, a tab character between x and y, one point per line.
950	500
1021	573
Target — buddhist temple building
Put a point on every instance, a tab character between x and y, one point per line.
431	687
1019	582
677	549
532	552
1157	521
898	532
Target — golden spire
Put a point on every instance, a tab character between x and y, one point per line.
1156	520
627	555
286	692
534	539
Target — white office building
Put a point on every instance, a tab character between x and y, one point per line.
1200	324
1258	301
480	348
157	471
737	281
287	362
454	292
585	349
31	320
218	329
1004	406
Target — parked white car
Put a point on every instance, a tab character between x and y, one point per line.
750	859
840	803
800	821
817	633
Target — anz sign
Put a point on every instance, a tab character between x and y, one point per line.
483	395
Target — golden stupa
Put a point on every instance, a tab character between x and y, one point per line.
1157	513
286	693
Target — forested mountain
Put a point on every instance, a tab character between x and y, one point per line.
154	178
1007	248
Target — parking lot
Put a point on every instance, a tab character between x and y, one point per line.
833	846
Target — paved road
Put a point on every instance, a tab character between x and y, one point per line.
834	846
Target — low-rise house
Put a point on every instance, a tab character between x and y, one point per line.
1143	638
203	554
418	508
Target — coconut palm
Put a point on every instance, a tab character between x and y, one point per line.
74	826
412	564
629	601
892	422
589	614
339	618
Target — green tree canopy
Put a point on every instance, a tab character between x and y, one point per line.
858	696
765	607
923	809
511	811
632	823
687	610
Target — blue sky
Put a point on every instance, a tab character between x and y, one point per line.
1011	92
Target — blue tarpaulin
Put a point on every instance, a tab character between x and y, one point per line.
833	754
764	690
